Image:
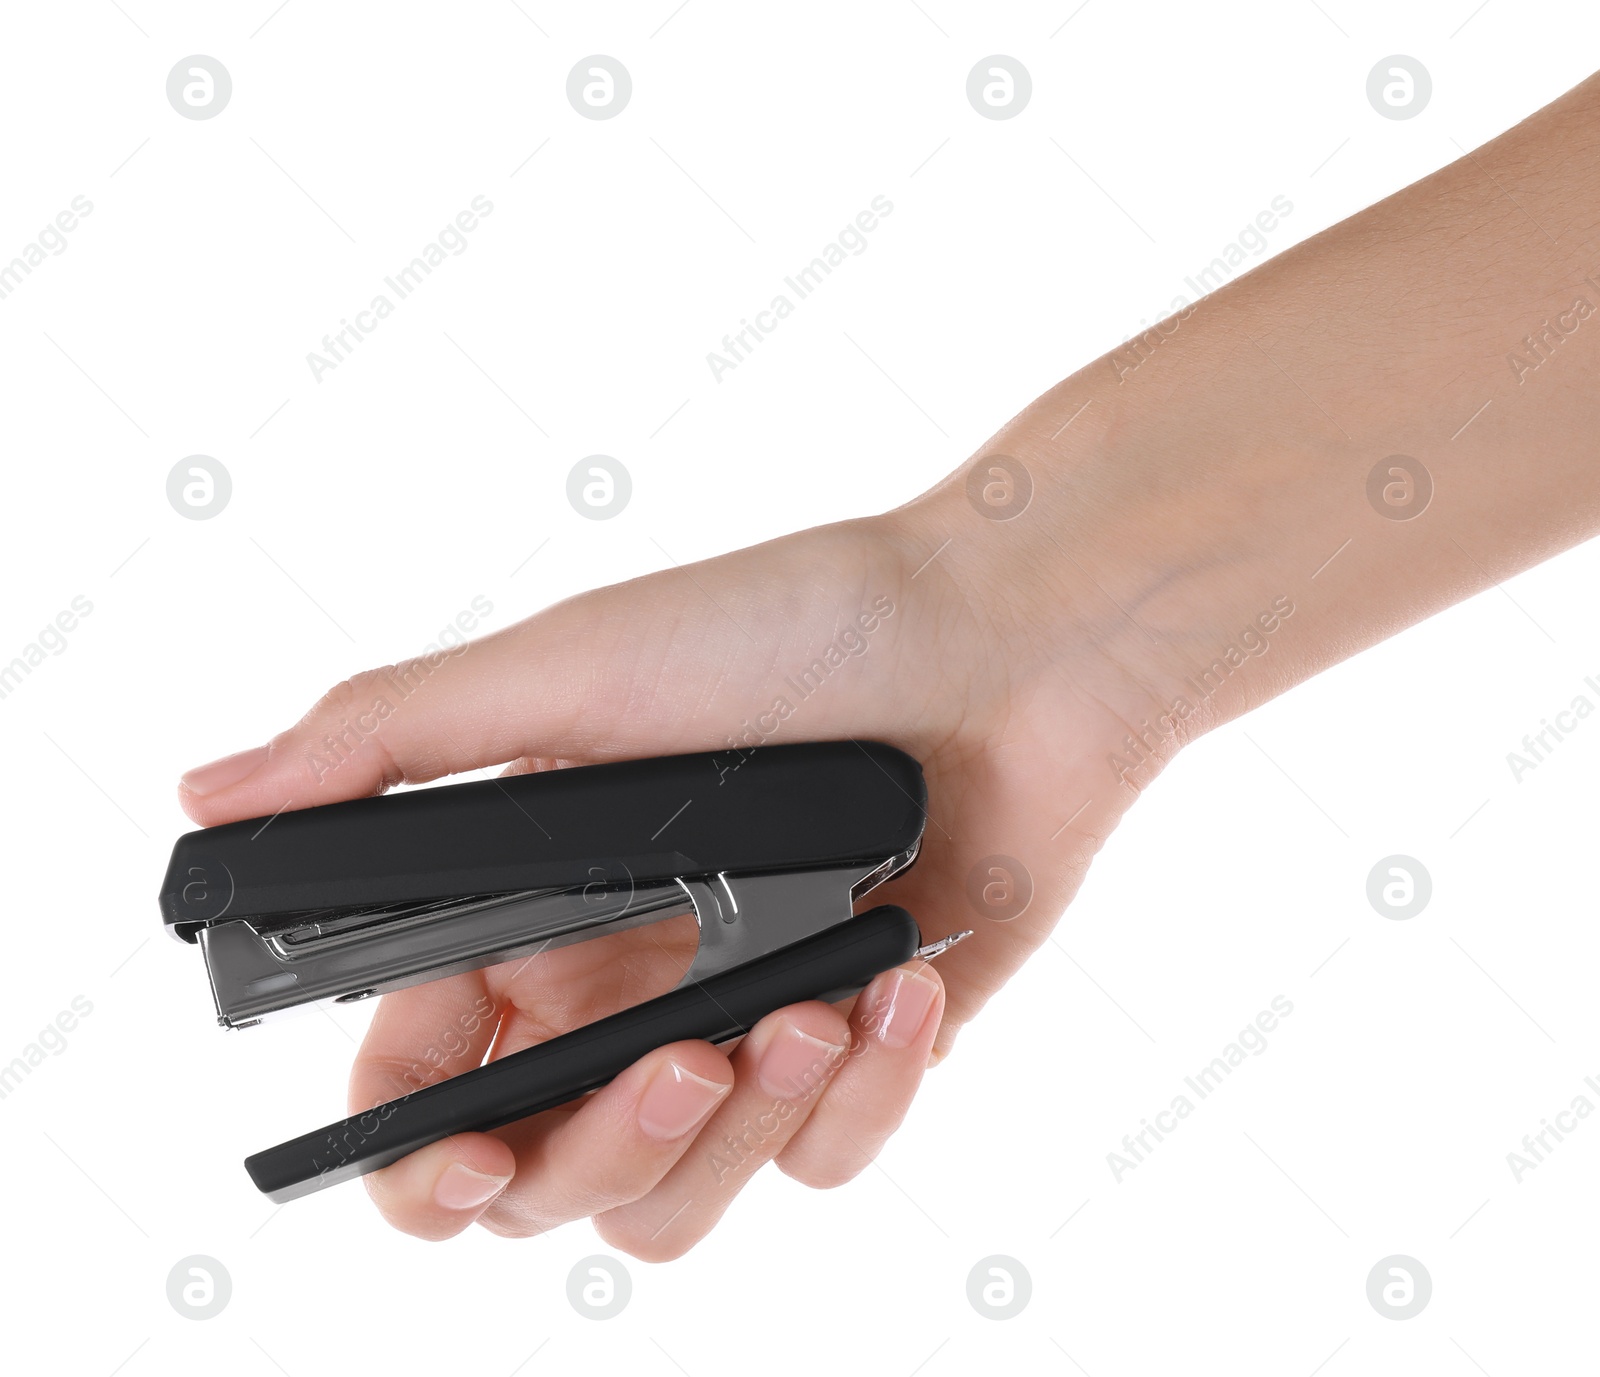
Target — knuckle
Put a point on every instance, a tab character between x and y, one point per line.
406	1219
345	721
505	1222
348	695
623	1237
581	1200
520	1216
823	1172
627	1234
377	1078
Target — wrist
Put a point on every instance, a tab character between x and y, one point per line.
1064	563
1153	550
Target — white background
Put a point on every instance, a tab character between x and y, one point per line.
370	508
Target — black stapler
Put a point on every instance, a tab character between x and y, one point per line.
770	848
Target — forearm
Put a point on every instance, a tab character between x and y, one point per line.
1190	480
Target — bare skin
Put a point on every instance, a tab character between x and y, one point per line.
1186	490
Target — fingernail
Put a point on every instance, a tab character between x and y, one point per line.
795	1064
676	1100
910	999
461	1188
224	773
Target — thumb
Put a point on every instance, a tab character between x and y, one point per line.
668	663
518	692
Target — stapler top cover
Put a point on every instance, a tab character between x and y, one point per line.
770	809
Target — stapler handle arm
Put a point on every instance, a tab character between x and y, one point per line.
835	963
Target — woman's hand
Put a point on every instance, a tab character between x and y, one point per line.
912	628
1282	467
